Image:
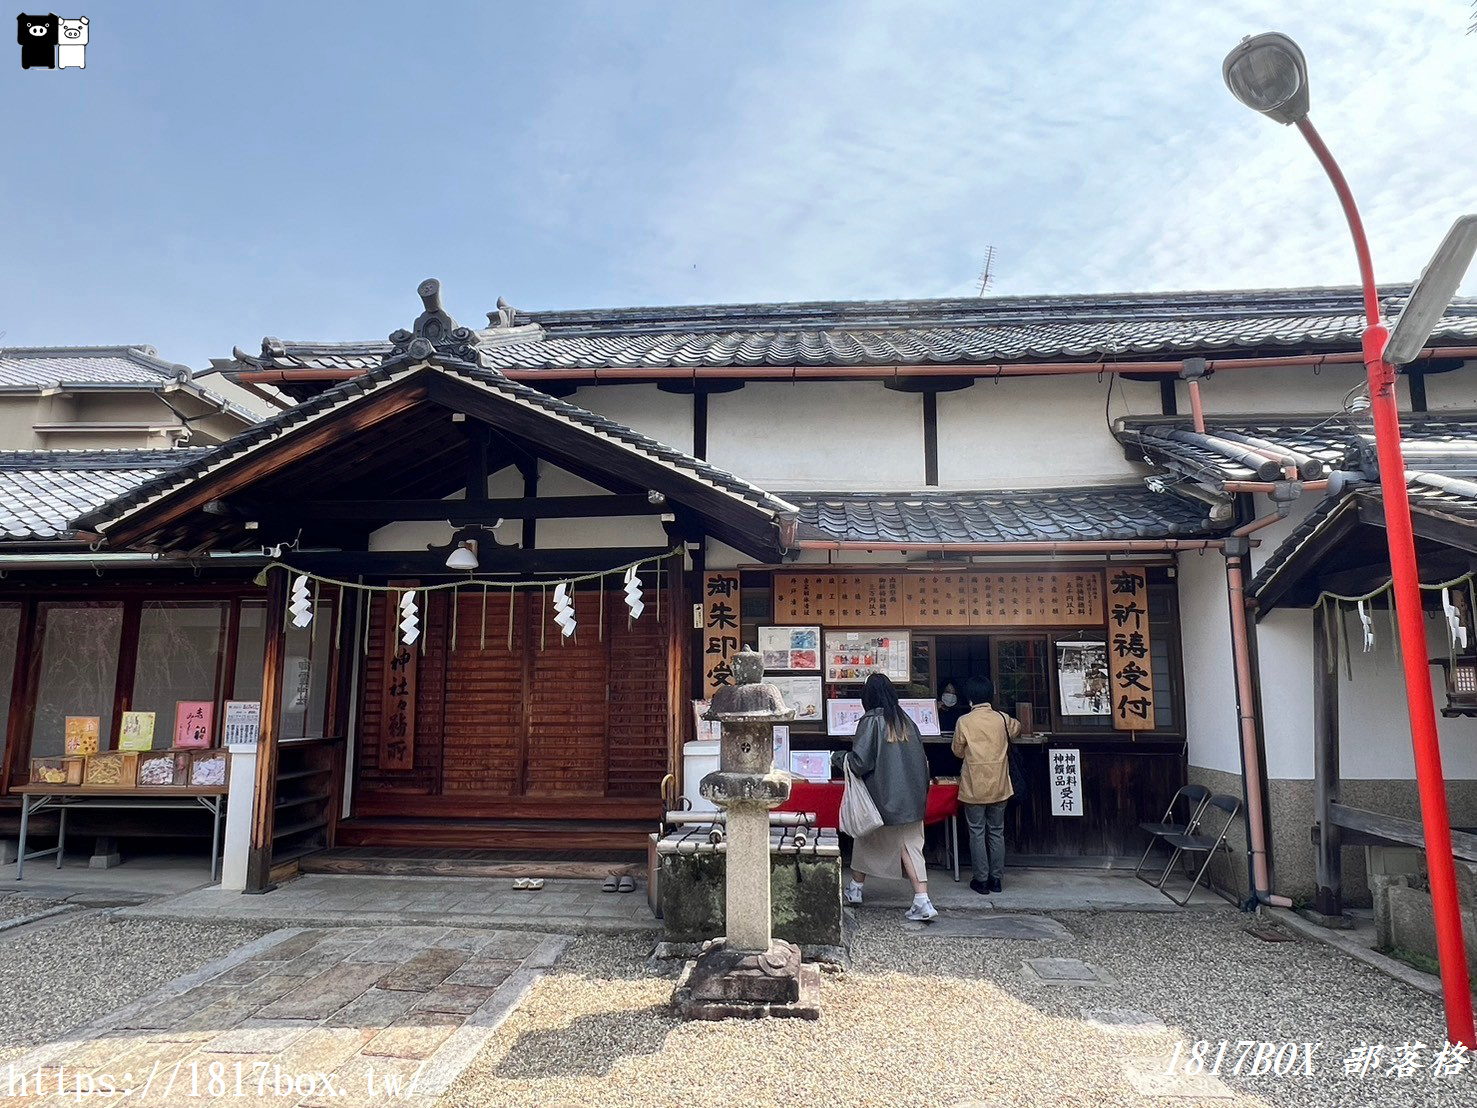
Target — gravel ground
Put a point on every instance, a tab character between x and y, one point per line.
14	907
60	975
942	1022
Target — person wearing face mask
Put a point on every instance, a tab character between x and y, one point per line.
950	709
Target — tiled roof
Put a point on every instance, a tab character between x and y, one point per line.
975	330
1029	515
523	395
43	491
1443	442
34	368
59	366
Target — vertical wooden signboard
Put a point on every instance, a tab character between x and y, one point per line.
1129	659
397	700
720	634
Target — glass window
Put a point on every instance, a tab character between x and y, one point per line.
10	623
178	659
251	647
305	667
79	668
1021	676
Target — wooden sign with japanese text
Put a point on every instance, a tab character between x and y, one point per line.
867	599
397	699
962	598
1130	664
805	598
720	633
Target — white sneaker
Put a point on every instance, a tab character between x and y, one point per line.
852	897
922	912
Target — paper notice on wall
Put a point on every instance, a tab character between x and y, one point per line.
243	722
1064	772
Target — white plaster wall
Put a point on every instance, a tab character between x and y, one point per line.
665	416
1032	432
1289	390
1285	652
1448	391
819	435
1210	689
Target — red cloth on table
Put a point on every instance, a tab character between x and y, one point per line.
824	799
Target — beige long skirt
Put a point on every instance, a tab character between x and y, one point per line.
880	854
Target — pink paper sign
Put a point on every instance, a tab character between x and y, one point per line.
192	723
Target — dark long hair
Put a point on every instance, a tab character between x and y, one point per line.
879	693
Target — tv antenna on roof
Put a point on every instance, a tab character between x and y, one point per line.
987	275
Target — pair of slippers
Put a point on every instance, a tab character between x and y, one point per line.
615	884
528	882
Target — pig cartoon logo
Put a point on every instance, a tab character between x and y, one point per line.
37	35
71	50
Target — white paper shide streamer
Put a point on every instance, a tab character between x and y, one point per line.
633	594
1456	633
410	621
563	609
1367	624
301	606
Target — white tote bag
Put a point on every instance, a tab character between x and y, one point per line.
859	815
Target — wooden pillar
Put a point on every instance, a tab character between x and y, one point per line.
22	707
1329	900
259	861
676	609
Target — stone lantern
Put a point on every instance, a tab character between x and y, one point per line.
748	972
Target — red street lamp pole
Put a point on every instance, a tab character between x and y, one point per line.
1268	75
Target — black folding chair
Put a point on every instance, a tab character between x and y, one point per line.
1193	843
1195	797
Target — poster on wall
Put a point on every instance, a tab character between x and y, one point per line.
704	730
1065	770
720	630
782	746
811	765
853	655
193	720
243	724
1082	677
801	693
790	647
843	715
1130	661
136	731
81	734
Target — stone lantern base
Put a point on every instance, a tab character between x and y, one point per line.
735	984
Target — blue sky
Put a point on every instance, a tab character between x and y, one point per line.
220	171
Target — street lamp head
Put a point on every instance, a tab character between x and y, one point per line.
1267	73
1432	294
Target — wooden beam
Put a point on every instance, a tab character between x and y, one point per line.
1397	830
528	467
1446	530
466	511
676	610
1329	898
931	438
739	524
503	560
263	811
298	444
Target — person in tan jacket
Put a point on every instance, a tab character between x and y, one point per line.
982	739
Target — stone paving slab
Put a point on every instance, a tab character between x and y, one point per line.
357	1021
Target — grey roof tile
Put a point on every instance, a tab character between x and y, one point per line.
1027	515
901	332
43	491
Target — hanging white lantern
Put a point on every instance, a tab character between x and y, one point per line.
633	593
410	623
302	602
563	610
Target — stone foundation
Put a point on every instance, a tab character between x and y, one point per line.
804	889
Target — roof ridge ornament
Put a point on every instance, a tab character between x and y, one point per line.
504	318
434	331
